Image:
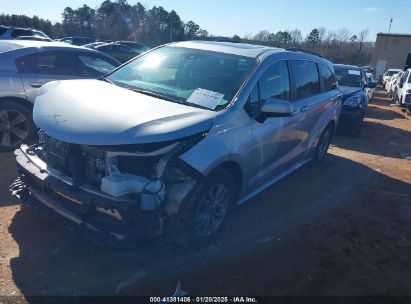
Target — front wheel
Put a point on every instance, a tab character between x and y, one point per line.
206	211
16	125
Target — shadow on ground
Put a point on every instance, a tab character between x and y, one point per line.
7	175
378	139
326	229
383	114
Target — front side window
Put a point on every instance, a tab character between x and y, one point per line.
48	63
194	77
349	77
275	82
95	66
327	78
306	78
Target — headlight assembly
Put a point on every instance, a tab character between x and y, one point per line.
353	101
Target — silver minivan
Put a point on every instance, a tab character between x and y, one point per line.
174	139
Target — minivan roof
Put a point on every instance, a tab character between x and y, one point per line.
241	49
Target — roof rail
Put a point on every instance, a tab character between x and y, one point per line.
224	40
294	49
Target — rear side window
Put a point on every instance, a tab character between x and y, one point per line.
327	78
48	63
306	78
3	30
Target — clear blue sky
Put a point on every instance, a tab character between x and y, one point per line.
229	17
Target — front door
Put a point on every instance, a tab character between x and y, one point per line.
274	138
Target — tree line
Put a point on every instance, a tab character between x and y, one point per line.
119	20
115	20
341	46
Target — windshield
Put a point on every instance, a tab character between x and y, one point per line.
195	77
348	77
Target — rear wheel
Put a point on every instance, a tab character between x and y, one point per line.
323	144
16	125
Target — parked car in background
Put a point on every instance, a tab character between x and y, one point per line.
369	70
121	52
387	75
77	40
34	38
25	67
11	32
173	140
136	46
391	84
352	84
369	78
404	89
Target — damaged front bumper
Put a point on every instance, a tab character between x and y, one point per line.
114	219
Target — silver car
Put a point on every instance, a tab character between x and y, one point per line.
24	67
173	140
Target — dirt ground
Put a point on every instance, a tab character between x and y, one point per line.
339	228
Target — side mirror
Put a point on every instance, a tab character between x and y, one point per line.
276	108
371	85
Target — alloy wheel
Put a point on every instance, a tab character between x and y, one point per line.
323	143
14	128
212	210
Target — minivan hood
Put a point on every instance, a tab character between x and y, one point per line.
95	112
348	91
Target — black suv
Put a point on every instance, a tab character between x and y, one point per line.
352	84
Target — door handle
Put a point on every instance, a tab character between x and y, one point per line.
304	108
35	84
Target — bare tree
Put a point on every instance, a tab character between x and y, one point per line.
296	36
343	35
322	32
361	37
262	36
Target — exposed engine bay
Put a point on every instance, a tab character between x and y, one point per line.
150	177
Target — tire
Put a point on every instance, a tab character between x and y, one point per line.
197	229
323	144
16	125
355	130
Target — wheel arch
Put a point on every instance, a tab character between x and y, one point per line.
18	100
235	171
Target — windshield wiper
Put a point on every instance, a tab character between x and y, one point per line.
154	94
